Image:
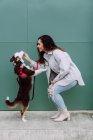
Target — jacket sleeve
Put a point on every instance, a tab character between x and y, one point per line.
63	60
37	65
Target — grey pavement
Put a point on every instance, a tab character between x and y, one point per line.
39	126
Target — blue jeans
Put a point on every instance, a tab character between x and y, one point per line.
57	98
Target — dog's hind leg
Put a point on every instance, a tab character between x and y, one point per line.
24	109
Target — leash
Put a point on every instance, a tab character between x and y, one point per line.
33	90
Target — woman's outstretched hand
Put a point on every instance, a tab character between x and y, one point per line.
26	56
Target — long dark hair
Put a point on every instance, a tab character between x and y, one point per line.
48	44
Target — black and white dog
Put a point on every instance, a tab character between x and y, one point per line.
24	74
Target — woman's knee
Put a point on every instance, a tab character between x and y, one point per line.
52	97
52	92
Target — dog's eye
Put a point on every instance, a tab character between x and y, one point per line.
17	58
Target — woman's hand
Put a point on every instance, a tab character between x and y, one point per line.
26	56
53	82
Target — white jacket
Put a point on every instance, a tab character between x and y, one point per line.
61	63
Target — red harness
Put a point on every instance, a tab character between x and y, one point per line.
21	73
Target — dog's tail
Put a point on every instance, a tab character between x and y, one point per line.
10	104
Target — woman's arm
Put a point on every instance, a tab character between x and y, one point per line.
33	64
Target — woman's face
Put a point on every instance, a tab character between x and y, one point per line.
40	46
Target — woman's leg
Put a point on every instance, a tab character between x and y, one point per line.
59	102
56	97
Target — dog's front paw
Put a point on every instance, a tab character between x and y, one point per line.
7	98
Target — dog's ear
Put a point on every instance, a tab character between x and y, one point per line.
12	59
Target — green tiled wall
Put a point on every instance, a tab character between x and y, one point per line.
69	22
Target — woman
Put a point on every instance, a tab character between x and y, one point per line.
62	73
